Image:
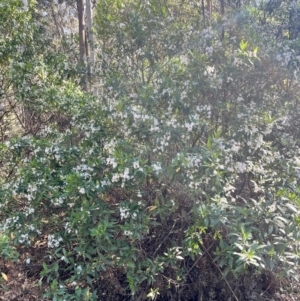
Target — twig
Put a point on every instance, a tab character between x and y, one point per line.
164	239
222	275
206	251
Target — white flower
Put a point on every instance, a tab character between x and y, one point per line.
128	233
126	174
68	227
112	162
115	177
105	183
124	212
209	70
53	242
30	210
240	98
156	167
240	167
81	190
79	269
189	126
235	148
23	238
136	165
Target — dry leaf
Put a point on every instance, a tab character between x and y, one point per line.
4	276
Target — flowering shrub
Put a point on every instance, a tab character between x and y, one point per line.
188	160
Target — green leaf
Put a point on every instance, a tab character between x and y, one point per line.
243	45
89	280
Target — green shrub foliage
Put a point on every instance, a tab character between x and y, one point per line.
187	160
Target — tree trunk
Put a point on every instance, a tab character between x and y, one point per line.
90	33
222	13
90	38
80	12
82	49
209	8
55	20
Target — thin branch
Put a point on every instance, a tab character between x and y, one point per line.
164	239
55	20
236	298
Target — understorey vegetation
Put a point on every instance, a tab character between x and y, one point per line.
173	172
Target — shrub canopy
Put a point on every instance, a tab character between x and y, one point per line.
185	164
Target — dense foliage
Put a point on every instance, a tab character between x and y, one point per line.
182	173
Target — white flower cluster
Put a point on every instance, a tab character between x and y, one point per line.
204	108
83	170
162	142
172	122
47	130
124	176
207	33
105	183
128	233
33	229
284	58
12	146
194	160
189	126
156	167
210	71
9	222
110	146
154	126
91	129
79	269
81	190
240	167
68	228
111	161
125	213
136	165
57	201
237	62
53	242
23	238
29	210
31	192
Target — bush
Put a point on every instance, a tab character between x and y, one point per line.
185	172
